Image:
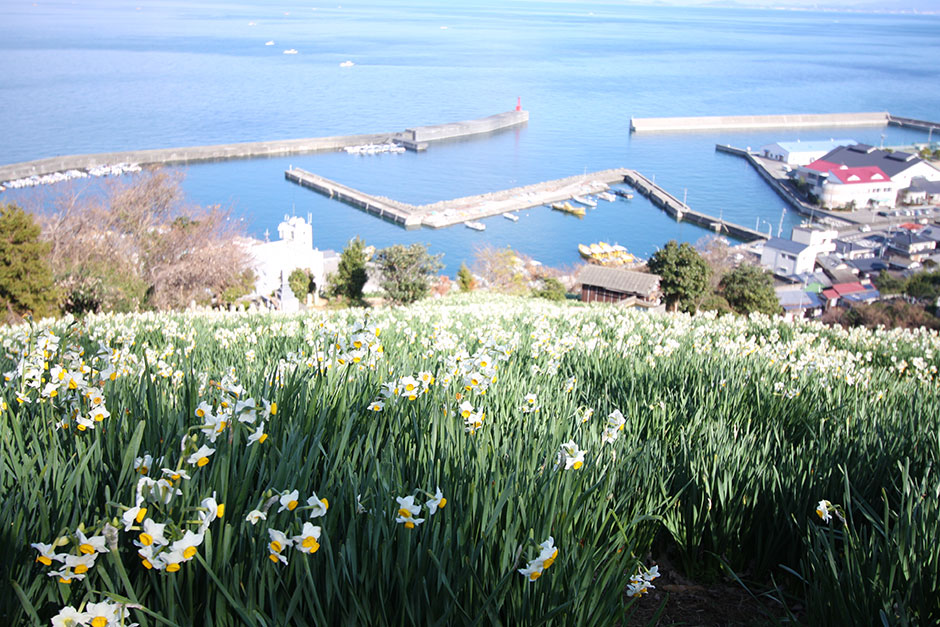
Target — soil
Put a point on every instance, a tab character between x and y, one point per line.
695	604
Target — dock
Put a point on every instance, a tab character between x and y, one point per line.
459	210
680	211
416	138
923	125
753	122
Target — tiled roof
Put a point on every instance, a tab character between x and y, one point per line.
850	175
891	163
619	280
786	245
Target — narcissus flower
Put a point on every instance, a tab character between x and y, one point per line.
289	501
823	510
572	456
255	515
152	533
309	539
46	553
279	542
438	501
258	436
94	544
318	506
201	457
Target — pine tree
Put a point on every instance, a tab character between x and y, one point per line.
465	279
26	284
350	276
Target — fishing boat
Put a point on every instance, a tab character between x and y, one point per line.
568	208
476	226
511	216
626	194
269	43
290	51
607	196
585	251
589	202
604	254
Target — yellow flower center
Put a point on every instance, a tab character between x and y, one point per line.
81	427
410	525
404	512
442	503
45	561
264	436
172	568
577	464
292	505
86	548
273	409
202	461
326	504
99	621
147	564
81	569
310	543
535	575
276	546
64	580
146	539
189	552
220	510
141	514
200	413
273	558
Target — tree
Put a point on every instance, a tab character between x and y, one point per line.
26	284
465	279
887	283
550	288
301	283
350	276
137	243
720	257
748	289
406	272
683	274
502	269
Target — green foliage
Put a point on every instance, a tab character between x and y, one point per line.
683	274
244	285
887	283
715	302
550	288
406	272
26	284
350	276
924	286
465	279
892	314
301	283
748	289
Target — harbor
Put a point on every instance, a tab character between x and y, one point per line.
756	122
446	213
416	138
682	212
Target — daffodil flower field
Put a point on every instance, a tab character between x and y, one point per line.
467	460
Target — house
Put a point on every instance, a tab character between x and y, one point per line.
922	192
616	285
850	292
798	152
900	167
799	303
869	267
911	245
785	256
839	185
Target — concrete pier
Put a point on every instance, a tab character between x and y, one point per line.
458	210
923	125
412	138
680	211
752	122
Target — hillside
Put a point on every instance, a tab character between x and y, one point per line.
475	458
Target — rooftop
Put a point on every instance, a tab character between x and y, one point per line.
891	163
821	145
850	175
786	245
619	280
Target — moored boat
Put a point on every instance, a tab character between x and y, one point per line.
604	254
607	196
476	226
626	194
568	208
511	216
585	201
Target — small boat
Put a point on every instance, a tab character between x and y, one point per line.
290	51
269	43
568	208
585	250
347	64
626	194
604	254
585	201
476	226
607	196
511	216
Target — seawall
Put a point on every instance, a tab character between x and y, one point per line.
742	122
276	148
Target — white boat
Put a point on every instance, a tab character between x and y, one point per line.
607	196
347	64
585	201
269	43
290	51
511	216
476	226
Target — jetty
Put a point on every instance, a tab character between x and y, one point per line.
417	138
751	122
923	125
459	210
681	211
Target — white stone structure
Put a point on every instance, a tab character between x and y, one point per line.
273	262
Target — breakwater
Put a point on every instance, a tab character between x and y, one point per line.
746	122
458	210
923	125
415	139
680	211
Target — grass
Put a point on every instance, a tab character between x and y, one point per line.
734	429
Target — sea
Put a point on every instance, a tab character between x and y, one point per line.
109	75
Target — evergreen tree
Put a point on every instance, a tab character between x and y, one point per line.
465	279
407	271
350	276
301	283
683	274
550	288
26	284
748	289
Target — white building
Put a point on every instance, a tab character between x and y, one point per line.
818	237
801	153
839	185
273	262
785	257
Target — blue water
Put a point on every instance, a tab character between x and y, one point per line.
106	75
